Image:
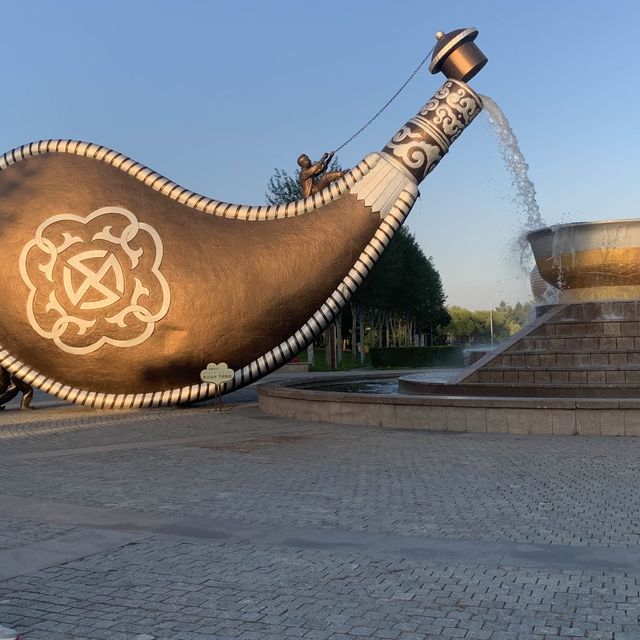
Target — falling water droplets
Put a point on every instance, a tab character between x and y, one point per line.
519	170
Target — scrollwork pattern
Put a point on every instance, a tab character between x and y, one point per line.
447	114
95	280
414	151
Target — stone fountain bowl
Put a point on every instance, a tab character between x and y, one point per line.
590	260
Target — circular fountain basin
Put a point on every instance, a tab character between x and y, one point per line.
422	404
590	260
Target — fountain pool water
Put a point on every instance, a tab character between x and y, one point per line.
359	385
373	382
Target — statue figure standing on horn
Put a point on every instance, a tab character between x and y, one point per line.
314	177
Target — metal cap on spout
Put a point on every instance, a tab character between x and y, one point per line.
456	55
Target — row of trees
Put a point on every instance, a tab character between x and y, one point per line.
497	324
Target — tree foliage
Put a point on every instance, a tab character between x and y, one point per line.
405	283
283	188
475	326
402	296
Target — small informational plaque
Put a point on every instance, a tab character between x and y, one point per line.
217	373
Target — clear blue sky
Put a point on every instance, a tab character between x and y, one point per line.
215	95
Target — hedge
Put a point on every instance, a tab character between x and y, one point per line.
418	356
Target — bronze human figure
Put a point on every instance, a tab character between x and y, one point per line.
10	386
314	177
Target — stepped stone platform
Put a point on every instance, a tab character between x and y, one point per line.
582	350
575	370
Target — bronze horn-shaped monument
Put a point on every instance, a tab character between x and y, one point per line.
120	285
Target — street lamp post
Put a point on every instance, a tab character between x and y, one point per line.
491	322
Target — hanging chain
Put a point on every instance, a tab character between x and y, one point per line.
386	104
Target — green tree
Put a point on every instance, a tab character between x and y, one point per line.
463	326
403	294
475	326
401	297
283	188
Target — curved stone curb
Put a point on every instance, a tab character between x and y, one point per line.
490	414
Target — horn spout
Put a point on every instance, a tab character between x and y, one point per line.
423	141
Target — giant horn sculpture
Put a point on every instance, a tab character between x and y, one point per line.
120	286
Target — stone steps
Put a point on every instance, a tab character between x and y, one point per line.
567	360
571	326
544	376
600	330
575	343
619	311
501	390
582	350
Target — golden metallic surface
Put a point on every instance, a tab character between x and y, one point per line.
457	55
539	286
237	287
464	62
595	294
601	267
599	260
314	177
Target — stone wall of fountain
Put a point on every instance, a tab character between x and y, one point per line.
584	350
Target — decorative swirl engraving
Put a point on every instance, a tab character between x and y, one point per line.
453	113
95	280
466	106
414	151
422	142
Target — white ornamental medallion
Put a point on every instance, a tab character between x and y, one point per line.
95	280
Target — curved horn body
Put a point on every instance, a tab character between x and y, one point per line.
120	286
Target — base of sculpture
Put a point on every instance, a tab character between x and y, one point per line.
574	370
589	349
604	294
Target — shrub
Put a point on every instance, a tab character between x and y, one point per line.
444	356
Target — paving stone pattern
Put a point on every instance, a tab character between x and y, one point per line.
16	533
355	484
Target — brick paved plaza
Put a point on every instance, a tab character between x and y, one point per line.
186	524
